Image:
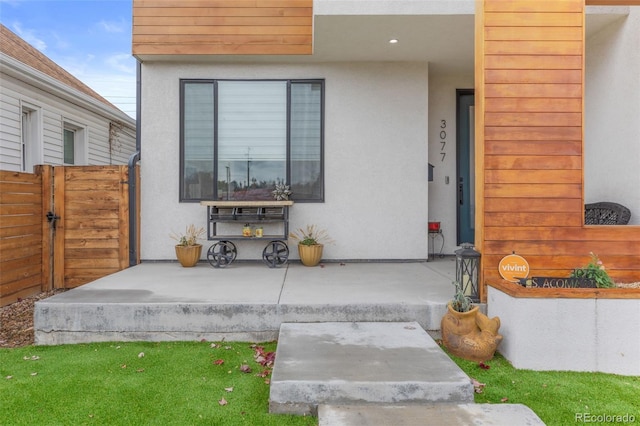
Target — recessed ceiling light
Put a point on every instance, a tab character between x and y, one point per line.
393	41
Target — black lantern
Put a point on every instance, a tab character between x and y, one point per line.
468	270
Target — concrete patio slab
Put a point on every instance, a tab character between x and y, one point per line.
425	415
246	301
361	363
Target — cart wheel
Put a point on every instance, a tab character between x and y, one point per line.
275	254
222	254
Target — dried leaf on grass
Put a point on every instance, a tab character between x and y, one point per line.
265	359
477	386
222	401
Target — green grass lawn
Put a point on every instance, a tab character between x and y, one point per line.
203	383
557	396
137	384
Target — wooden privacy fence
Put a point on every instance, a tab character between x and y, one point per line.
61	227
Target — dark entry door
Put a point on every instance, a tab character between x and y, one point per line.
465	165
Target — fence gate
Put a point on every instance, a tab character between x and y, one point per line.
62	227
90	221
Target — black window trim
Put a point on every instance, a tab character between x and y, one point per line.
214	82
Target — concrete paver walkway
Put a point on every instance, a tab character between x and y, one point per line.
351	363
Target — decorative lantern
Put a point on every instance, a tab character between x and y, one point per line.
468	270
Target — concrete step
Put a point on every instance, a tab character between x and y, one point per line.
424	415
353	363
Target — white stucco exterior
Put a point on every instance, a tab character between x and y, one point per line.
612	114
375	147
569	334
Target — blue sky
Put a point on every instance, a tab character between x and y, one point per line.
91	39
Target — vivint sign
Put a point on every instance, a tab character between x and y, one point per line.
513	267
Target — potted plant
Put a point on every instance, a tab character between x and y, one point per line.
188	250
467	332
311	242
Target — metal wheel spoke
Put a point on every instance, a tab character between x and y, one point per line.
222	254
275	254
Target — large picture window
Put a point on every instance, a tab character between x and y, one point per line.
240	138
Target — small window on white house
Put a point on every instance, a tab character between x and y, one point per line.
31	147
73	144
69	146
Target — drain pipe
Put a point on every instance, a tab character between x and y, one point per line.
133	160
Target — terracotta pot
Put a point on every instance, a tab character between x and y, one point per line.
470	335
310	255
188	256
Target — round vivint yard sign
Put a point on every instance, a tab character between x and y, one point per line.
513	267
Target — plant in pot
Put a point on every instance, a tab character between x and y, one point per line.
311	243
467	332
188	249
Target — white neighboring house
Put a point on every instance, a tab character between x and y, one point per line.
47	116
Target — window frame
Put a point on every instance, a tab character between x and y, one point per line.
79	142
214	83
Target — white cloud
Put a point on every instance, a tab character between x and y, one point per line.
113	27
123	62
29	36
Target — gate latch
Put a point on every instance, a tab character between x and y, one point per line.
51	217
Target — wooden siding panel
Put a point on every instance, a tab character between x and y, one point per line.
533	176
256	27
527	18
540	205
534	62
525	105
533	76
526	147
548	90
533	47
533	190
532	162
533	219
523	133
533	33
573	119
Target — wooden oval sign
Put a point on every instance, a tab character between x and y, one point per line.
513	267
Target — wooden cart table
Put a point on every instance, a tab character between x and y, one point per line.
229	221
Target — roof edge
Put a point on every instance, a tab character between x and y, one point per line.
29	75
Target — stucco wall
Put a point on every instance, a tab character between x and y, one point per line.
571	334
612	111
376	188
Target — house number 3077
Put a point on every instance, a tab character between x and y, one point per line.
443	139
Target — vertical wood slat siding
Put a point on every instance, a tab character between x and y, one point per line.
529	102
222	27
22	251
92	235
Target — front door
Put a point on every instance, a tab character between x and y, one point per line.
465	155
